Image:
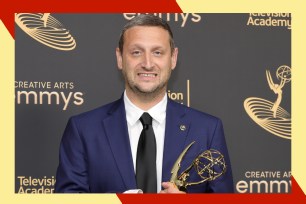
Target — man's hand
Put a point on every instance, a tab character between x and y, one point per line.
170	187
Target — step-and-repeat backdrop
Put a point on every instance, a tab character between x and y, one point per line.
234	66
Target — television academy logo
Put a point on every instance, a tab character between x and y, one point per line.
269	115
46	29
270	20
180	97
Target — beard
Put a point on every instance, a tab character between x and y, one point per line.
141	91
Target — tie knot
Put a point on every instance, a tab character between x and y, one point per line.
146	120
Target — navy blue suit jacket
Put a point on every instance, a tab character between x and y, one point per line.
95	154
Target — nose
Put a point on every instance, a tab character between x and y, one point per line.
147	62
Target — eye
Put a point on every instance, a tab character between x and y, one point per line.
157	53
136	53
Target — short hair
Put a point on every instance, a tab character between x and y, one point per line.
146	20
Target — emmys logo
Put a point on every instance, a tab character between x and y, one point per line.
269	115
265	181
181	18
46	92
46	29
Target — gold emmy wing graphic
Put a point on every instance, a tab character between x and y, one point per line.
269	115
46	29
209	165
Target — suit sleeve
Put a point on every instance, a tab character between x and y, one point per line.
224	183
72	173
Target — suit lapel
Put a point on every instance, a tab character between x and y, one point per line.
117	133
176	132
177	127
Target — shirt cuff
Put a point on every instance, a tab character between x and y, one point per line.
133	191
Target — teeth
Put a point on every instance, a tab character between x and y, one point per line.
148	75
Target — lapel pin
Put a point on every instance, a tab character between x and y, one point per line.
182	127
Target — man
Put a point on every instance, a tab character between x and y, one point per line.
112	149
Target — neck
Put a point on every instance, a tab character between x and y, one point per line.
145	101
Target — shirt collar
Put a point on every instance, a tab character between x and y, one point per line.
133	113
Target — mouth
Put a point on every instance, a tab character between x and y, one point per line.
147	75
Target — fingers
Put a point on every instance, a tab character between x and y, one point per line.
170	187
167	185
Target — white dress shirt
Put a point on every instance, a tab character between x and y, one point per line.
158	113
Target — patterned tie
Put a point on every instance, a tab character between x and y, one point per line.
146	157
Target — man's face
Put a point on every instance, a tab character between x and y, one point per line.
146	61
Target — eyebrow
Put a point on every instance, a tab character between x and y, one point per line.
138	46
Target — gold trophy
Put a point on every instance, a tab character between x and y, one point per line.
209	165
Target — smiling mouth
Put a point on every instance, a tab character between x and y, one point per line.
147	74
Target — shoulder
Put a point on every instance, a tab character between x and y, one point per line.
97	114
194	114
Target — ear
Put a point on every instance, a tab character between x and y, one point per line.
119	58
174	58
